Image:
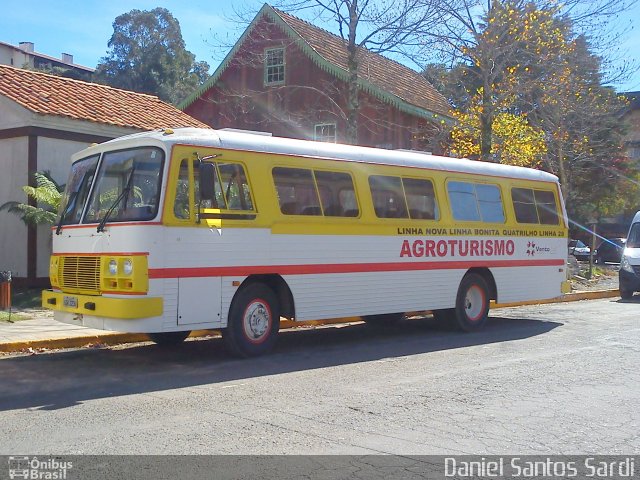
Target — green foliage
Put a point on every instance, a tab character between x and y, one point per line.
46	194
63	72
148	55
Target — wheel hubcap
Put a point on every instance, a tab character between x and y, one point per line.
474	303
257	319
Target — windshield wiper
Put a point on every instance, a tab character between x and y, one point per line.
70	204
123	194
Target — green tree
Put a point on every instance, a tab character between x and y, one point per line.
148	55
45	200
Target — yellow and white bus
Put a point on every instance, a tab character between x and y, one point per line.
171	231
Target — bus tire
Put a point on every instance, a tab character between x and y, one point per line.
626	294
382	319
168	338
254	321
472	303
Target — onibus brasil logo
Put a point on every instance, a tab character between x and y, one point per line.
35	469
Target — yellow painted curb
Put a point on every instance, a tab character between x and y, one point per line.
569	297
109	338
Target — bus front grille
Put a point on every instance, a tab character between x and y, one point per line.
79	274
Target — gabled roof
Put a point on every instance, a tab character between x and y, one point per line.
46	94
383	78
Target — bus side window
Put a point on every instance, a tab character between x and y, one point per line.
478	202
524	205
534	206
297	193
236	186
338	195
421	198
463	201
388	197
349	203
546	207
218	201
490	203
181	204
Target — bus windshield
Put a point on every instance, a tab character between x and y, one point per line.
126	186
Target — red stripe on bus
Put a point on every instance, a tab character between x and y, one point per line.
342	268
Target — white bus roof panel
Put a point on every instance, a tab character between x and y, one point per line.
233	140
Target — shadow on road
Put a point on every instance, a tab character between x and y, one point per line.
63	379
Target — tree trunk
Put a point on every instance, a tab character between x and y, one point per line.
562	173
353	103
486	126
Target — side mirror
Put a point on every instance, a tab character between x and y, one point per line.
206	181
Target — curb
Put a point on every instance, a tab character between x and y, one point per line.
124	338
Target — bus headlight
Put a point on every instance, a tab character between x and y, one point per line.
113	267
127	266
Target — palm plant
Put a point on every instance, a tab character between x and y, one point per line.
47	194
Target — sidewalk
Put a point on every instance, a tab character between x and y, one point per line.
43	332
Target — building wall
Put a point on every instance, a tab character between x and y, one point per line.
309	96
632	138
14	57
13	233
30	142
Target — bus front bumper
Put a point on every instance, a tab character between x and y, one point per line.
99	306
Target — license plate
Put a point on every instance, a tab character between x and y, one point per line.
70	301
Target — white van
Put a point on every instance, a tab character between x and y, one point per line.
630	261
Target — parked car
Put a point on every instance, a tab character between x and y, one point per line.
578	249
610	250
629	274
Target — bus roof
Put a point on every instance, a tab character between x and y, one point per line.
244	141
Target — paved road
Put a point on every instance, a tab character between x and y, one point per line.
554	379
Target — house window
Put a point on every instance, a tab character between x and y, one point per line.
325	132
274	66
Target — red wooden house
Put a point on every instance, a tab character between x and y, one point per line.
288	77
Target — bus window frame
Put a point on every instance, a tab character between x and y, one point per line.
553	191
474	182
437	215
205	213
354	190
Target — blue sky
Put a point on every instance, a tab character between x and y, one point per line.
83	28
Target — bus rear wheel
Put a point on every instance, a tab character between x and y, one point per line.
168	338
472	303
254	321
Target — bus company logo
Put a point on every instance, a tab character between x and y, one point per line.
35	469
533	248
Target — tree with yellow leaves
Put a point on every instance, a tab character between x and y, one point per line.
527	77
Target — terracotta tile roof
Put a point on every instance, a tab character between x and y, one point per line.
386	74
58	96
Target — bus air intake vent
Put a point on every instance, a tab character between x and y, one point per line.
79	274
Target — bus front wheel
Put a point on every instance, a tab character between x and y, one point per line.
254	321
472	303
